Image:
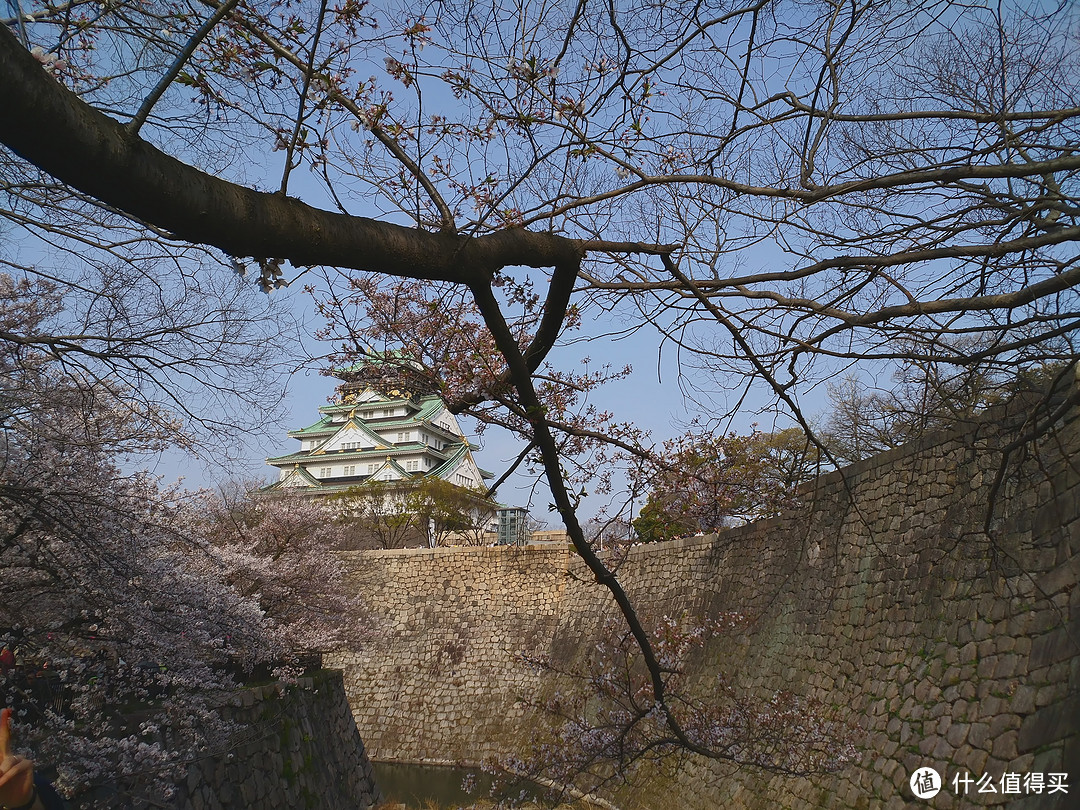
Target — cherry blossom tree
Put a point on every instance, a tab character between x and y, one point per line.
122	614
105	602
279	551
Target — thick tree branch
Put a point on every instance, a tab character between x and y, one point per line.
562	285
53	128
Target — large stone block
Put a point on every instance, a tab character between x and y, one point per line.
1050	724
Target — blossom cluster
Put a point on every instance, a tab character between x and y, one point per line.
129	612
606	718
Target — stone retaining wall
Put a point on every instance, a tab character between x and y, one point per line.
937	642
448	669
298	748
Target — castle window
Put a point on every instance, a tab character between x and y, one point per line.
324	472
350	470
412	466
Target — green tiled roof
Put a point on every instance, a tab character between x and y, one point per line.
322	426
301	456
375	403
458	455
427	407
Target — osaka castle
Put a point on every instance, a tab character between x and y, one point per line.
368	436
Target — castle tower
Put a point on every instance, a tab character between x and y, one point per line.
366	436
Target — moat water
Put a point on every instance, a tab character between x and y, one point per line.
420	786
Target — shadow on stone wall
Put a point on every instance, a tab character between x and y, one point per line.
298	748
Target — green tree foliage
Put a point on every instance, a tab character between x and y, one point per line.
659	521
701	482
378	517
451	514
423	512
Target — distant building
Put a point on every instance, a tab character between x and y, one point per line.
513	528
395	441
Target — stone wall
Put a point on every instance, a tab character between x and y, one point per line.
937	642
298	748
447	671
